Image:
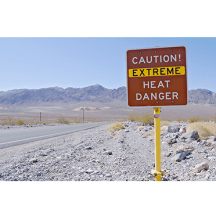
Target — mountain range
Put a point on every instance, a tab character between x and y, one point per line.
96	93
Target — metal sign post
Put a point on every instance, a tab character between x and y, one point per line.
157	77
157	172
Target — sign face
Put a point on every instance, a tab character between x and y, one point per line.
157	76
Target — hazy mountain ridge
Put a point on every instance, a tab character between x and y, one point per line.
96	93
201	96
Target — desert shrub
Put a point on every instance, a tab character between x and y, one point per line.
20	122
132	117
78	121
63	120
192	120
116	126
8	120
164	123
143	118
124	120
204	129
146	119
181	119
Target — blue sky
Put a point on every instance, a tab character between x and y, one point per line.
35	63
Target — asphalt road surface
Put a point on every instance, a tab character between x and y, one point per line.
13	137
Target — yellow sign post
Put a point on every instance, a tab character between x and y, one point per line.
157	172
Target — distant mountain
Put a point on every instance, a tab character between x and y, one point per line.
201	96
96	93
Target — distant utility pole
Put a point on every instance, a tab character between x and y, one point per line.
40	117
83	114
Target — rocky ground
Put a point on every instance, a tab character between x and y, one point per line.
102	155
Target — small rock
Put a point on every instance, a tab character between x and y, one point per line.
202	166
172	129
88	148
214	144
108	152
182	130
190	134
108	175
181	155
169	154
187	147
141	127
89	171
96	172
212	158
208	144
171	141
34	160
121	141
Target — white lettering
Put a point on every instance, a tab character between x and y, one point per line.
148	60
175	95
167	81
160	84
138	96
145	84
133	60
167	59
159	58
152	84
155	58
167	94
173	58
141	60
161	96
153	96
145	96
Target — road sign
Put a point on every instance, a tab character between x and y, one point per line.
157	76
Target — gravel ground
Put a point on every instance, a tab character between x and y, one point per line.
102	155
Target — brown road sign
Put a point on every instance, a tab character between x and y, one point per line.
157	76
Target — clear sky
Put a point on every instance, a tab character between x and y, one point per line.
35	63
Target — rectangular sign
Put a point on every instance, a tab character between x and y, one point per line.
157	76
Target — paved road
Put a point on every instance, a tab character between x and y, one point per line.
13	137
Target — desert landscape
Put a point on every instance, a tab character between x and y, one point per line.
121	150
96	102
